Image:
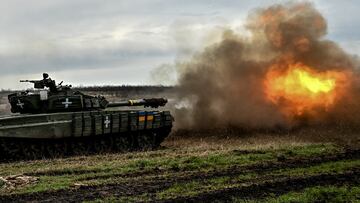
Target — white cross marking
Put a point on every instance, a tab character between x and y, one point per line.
20	104
66	103
107	122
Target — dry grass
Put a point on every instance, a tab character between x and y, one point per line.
259	139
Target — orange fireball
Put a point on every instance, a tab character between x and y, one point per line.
299	88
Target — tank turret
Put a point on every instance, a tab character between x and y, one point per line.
52	98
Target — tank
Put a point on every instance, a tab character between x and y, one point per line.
57	121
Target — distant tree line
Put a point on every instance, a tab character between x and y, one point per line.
108	88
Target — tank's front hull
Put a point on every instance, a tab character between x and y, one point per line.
65	134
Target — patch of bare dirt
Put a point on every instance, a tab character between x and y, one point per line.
16	181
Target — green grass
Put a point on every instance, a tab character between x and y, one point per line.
47	182
331	167
193	188
321	194
310	150
105	169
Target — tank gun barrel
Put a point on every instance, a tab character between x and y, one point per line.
38	84
153	103
31	81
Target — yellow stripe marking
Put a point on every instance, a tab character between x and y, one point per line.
141	118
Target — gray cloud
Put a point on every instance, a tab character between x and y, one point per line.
128	37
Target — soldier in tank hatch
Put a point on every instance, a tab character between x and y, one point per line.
48	82
45	82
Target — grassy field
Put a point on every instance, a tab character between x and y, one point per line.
195	169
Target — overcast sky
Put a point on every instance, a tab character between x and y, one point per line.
95	42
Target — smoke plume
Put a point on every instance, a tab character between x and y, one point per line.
225	84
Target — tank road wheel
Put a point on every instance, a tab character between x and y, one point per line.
55	149
145	141
40	150
153	136
161	134
132	141
102	145
121	143
2	150
80	147
5	152
13	150
30	150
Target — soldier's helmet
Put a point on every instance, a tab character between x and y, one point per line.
45	75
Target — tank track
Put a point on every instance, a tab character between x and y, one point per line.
13	149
